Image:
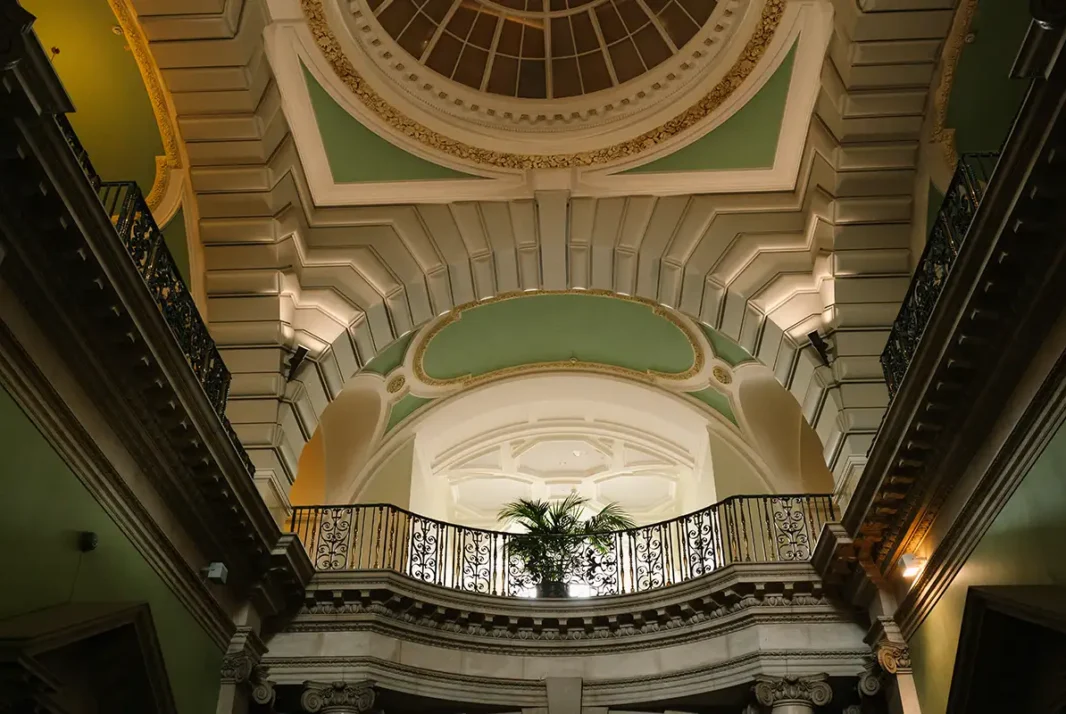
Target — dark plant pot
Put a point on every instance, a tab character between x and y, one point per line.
552	588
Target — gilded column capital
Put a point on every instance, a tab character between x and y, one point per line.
337	698
813	690
894	657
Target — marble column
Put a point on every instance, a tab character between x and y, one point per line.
793	695
337	698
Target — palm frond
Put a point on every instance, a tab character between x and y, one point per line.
610	518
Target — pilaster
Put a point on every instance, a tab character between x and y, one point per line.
793	695
337	698
244	678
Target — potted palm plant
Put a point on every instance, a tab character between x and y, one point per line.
555	536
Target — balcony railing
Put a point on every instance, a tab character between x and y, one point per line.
143	240
742	529
946	239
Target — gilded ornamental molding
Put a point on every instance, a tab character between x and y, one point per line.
894	657
960	29
138	43
328	44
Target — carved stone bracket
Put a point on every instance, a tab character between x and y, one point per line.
894	657
337	698
811	691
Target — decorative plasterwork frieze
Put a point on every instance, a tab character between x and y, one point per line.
327	42
726	601
693	63
610	692
813	690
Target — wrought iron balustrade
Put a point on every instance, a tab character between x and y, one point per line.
144	242
742	529
946	239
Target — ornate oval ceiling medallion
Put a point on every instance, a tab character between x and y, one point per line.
526	332
397	120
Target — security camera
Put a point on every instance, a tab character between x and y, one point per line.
215	573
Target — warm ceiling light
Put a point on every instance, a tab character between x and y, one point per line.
575	452
911	564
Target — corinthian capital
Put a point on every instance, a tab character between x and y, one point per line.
337	698
812	691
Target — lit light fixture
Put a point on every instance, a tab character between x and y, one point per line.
576	452
911	564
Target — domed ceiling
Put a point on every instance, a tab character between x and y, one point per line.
541	49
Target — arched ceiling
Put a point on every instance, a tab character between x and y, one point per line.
579	331
819	241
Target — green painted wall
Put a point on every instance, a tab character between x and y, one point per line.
983	98
114	118
556	328
716	401
45	507
724	348
403	408
356	154
746	140
391	357
178	242
1024	546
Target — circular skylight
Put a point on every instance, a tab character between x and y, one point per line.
542	49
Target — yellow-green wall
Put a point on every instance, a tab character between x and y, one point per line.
113	118
1024	546
45	506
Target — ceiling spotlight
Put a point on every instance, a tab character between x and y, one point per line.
576	452
911	565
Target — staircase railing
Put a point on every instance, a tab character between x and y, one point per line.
946	239
143	239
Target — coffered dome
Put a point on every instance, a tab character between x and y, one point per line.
542	49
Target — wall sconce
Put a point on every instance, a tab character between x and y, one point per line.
911	565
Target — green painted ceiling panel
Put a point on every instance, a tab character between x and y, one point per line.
356	154
556	328
716	401
391	357
45	506
728	351
114	118
746	140
984	99
403	408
